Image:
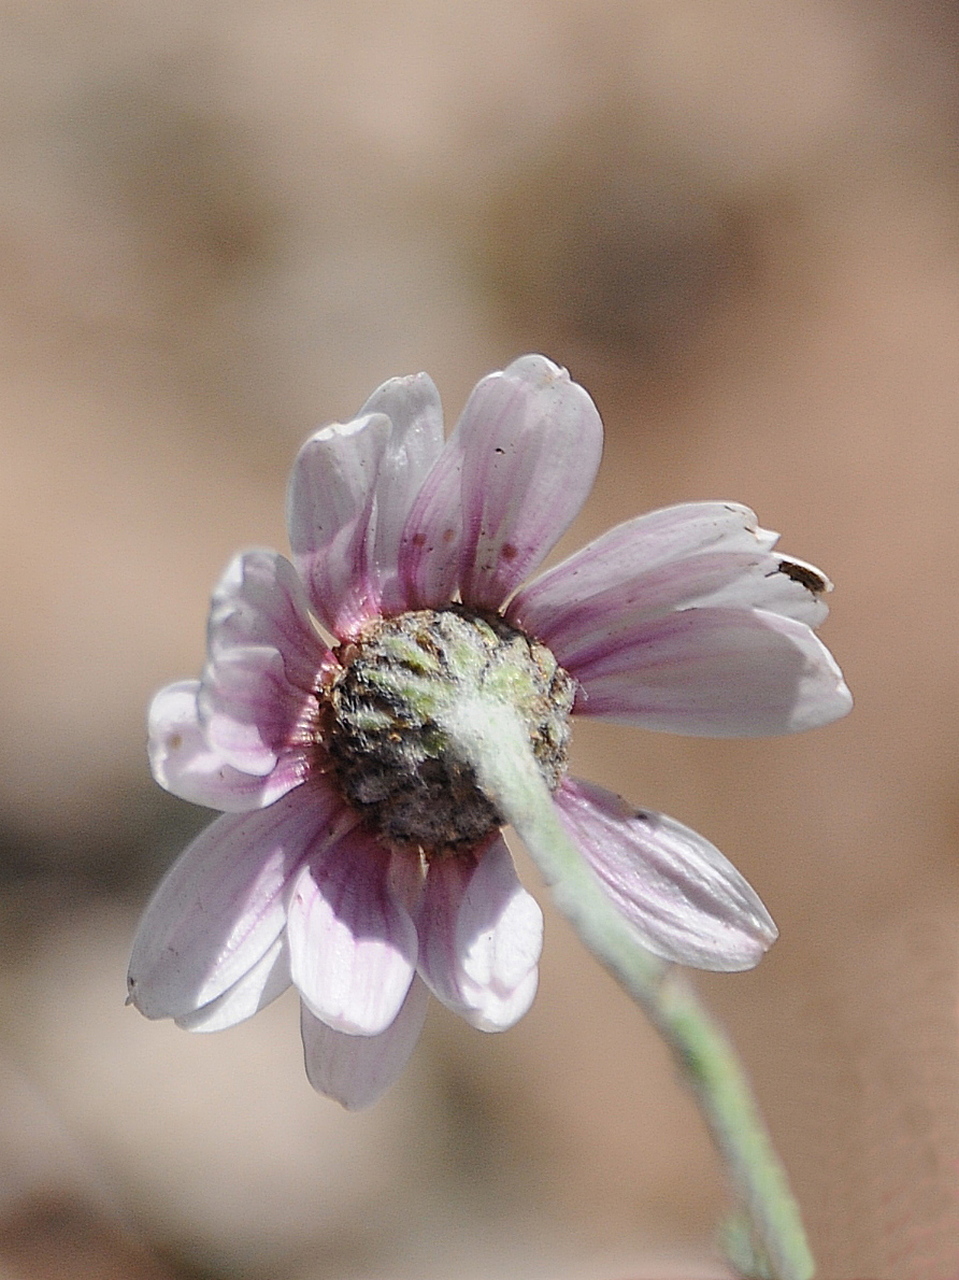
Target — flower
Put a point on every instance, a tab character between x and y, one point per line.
358	856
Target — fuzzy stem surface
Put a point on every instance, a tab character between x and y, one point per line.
771	1244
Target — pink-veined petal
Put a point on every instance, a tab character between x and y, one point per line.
331	512
712	579
352	944
413	407
222	904
185	765
481	935
775	583
512	477
356	1070
688	903
267	980
260	602
649	562
249	711
715	673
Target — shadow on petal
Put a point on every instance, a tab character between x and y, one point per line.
356	1070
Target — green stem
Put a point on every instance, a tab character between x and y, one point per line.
774	1247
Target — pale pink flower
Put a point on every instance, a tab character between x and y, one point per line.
683	620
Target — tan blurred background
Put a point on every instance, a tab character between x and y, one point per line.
222	223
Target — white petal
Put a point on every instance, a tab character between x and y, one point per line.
356	1070
776	583
260	602
481	935
413	407
719	579
687	902
268	979
512	477
716	673
647	565
587	621
249	711
221	906
501	1014
331	512
185	765
352	945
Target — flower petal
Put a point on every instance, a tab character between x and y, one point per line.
331	512
267	980
356	1070
512	477
352	945
184	764
776	583
646	566
688	903
415	442
249	711
221	906
260	602
481	935
716	579
714	672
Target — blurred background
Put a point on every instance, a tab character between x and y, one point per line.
222	223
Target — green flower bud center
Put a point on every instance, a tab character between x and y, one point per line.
395	761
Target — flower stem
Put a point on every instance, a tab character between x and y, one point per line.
775	1236
771	1243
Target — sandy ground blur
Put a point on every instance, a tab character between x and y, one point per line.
224	223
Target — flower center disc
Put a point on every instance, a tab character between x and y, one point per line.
396	762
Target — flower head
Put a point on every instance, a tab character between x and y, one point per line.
365	709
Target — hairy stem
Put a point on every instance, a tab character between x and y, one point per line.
772	1245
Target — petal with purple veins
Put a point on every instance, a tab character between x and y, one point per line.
715	673
187	766
481	935
352	944
711	579
260	602
686	901
356	1070
655	562
331	513
249	711
413	407
512	477
222	904
589	621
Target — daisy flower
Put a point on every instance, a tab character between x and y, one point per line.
367	709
